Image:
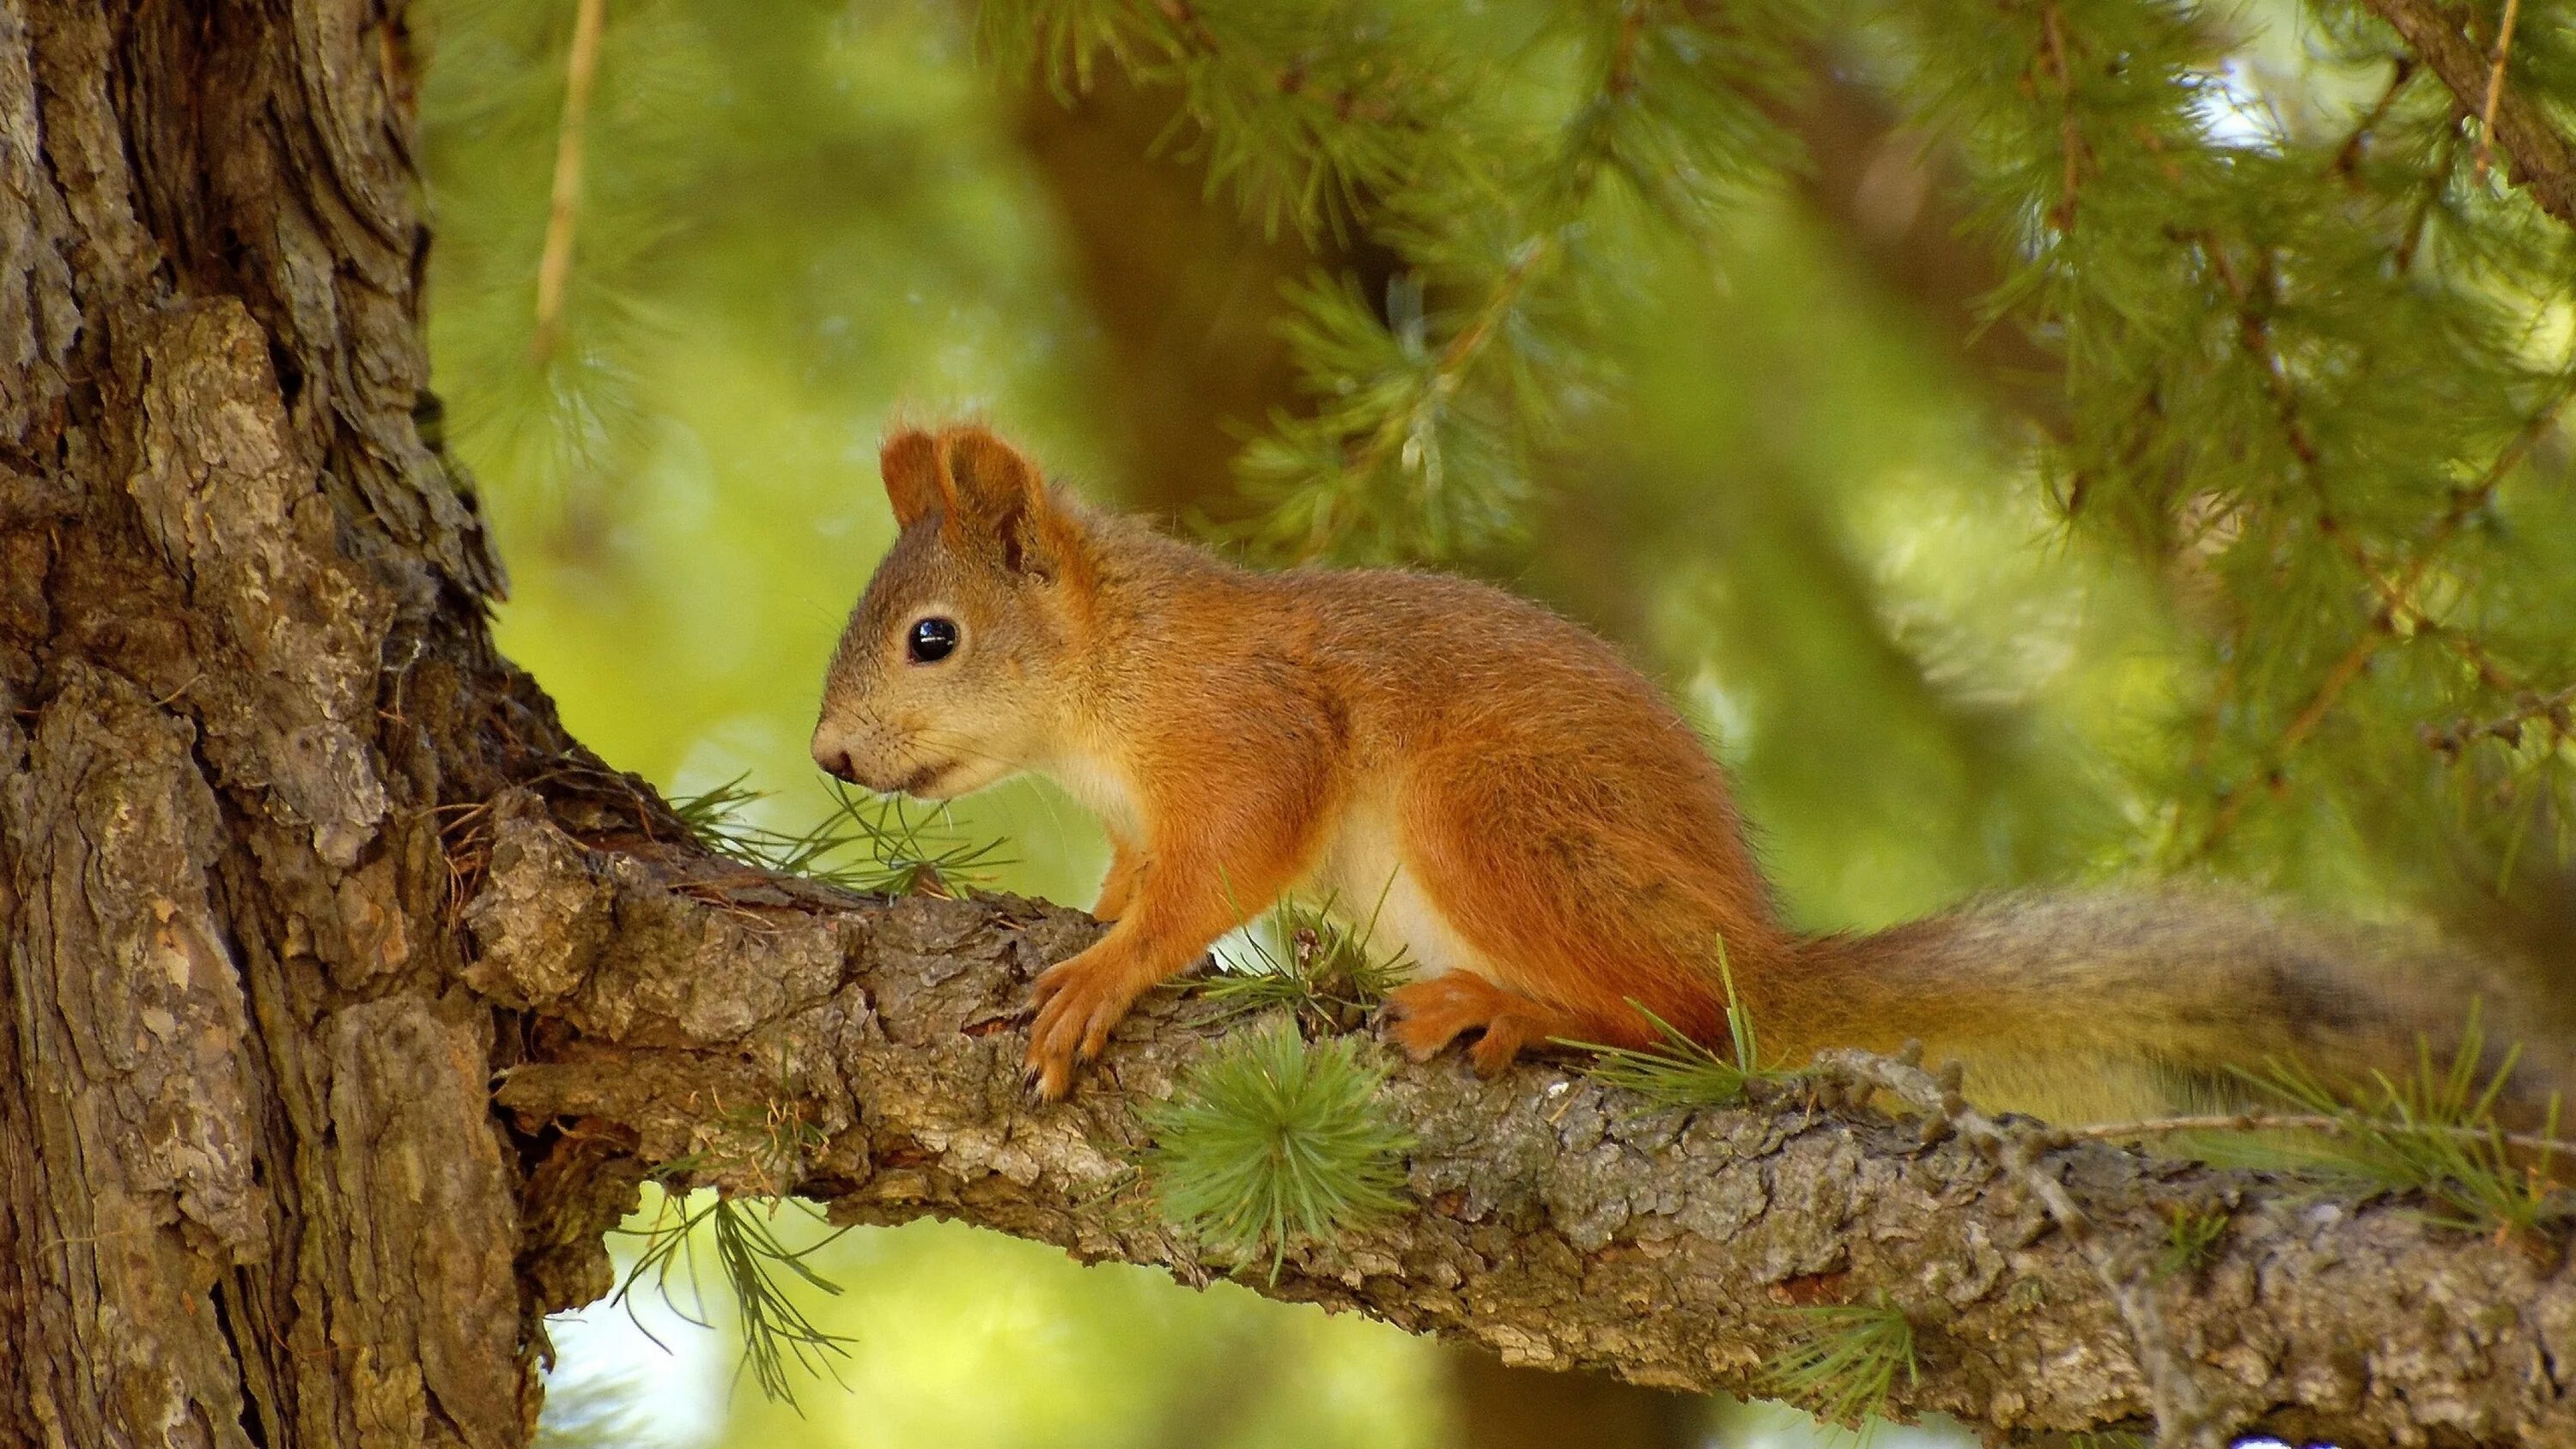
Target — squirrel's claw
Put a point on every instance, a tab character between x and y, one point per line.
1078	1002
1043	1085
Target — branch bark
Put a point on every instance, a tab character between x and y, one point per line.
2541	160
865	1053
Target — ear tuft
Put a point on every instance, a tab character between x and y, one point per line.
909	462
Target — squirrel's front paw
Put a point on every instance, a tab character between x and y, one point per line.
1078	1001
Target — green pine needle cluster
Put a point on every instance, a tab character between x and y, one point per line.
868	844
766	1145
777	1334
2310	342
1271	1139
1498	151
2298	318
1300	112
1307	959
2191	1242
2434	1134
1433	406
1678	1072
1844	1360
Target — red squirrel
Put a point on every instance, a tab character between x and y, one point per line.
1538	829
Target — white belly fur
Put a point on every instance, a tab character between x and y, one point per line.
1362	872
1096	782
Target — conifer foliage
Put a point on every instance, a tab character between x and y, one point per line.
2304	289
2291	276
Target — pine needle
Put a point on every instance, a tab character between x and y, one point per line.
2434	1134
865	844
1272	1139
1844	1360
777	1332
1677	1072
1312	963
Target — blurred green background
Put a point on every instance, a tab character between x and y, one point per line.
1822	414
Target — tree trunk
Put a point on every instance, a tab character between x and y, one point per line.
294	870
251	1191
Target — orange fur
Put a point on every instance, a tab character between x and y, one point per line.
1546	835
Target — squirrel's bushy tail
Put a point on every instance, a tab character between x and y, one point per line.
2101	1006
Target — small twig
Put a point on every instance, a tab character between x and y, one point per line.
2401	611
1189	25
554	268
2400	615
1448	374
2289	1122
2495	87
2348	155
2552	709
2185	1417
2070	136
2539	158
2328	693
2400	596
2255	329
1191	32
165	701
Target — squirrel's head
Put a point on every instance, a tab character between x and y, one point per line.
953	671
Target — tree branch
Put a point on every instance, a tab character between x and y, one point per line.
786	1038
2540	158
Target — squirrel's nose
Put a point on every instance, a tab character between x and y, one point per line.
833	759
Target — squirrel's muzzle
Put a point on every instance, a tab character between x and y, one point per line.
834	760
839	756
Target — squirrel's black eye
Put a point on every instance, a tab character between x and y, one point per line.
931	640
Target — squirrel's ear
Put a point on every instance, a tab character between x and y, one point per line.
909	462
1001	500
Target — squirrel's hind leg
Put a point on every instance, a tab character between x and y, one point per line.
1562	902
1427	1015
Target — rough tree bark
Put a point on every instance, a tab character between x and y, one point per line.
348	1000
251	1187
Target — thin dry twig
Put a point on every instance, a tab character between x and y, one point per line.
2557	711
2070	136
2285	1122
554	267
2495	87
